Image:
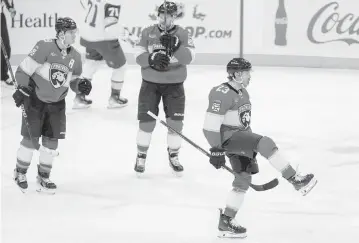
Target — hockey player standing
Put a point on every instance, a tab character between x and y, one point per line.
163	52
99	35
44	77
227	129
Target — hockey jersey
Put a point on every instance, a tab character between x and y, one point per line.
229	110
150	42
49	70
101	20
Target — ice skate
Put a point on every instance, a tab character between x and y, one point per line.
45	184
20	179
8	83
115	101
303	183
140	164
80	102
228	227
174	163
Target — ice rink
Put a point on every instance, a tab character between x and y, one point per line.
312	114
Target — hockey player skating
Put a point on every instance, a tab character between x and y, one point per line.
163	52
100	32
227	129
43	78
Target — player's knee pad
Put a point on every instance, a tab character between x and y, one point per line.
46	158
175	124
266	147
50	143
90	67
28	143
242	181
118	73
147	126
116	64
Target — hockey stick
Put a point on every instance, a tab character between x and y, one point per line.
36	145
165	25
269	185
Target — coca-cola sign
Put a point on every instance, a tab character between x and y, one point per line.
328	25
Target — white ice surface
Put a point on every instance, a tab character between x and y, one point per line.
312	114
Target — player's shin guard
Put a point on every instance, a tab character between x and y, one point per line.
24	157
227	226
174	144
143	143
302	183
44	169
117	80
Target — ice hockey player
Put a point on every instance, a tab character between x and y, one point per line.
163	52
43	78
100	32
227	130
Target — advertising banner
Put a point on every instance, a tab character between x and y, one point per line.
214	25
323	28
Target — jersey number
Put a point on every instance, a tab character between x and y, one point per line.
91	14
111	11
223	88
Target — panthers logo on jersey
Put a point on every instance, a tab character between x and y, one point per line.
58	74
244	113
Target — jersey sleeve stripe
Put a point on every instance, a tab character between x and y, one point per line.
29	66
43	71
213	122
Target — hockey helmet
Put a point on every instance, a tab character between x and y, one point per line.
65	24
171	9
238	65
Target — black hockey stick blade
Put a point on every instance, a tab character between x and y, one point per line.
269	185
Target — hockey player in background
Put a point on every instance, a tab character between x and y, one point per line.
100	33
43	78
227	129
163	52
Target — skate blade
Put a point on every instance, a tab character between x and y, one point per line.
21	189
231	235
43	190
309	187
139	174
80	106
177	173
116	106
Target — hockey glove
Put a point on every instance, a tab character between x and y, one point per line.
217	158
84	86
171	42
159	60
21	94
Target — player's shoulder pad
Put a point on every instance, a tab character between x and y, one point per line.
46	42
45	45
220	92
148	28
181	29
